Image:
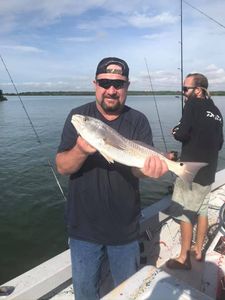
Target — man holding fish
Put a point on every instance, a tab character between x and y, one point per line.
103	206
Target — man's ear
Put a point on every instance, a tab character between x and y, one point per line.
198	92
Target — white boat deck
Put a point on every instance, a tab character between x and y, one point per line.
154	284
40	280
52	279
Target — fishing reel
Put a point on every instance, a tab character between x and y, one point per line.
174	155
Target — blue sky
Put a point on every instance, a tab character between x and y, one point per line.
51	45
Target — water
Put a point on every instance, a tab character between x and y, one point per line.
32	226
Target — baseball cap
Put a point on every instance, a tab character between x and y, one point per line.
105	62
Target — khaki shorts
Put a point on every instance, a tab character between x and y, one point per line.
188	203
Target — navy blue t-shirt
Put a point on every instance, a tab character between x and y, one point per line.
103	200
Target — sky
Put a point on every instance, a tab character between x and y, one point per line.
55	45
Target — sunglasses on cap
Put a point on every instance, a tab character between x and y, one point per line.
186	88
107	83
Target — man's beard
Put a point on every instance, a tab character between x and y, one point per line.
190	97
116	108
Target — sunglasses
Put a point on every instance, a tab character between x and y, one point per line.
107	83
186	88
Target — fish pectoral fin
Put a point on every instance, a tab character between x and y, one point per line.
108	158
114	143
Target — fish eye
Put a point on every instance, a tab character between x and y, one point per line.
181	164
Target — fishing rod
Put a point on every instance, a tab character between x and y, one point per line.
181	74
33	128
181	42
156	106
204	14
181	56
181	39
160	123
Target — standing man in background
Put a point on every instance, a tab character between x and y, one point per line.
201	133
103	206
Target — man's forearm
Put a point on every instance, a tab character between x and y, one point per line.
70	161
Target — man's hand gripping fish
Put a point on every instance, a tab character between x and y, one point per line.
115	147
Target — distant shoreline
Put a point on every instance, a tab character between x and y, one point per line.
92	93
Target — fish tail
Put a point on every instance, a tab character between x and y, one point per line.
188	170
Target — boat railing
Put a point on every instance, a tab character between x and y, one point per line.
53	274
40	280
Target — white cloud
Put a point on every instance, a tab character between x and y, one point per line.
78	39
43	12
216	76
147	21
42	38
21	48
155	36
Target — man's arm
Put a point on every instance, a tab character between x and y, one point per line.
182	131
69	162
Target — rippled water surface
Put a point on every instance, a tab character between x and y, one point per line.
31	205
